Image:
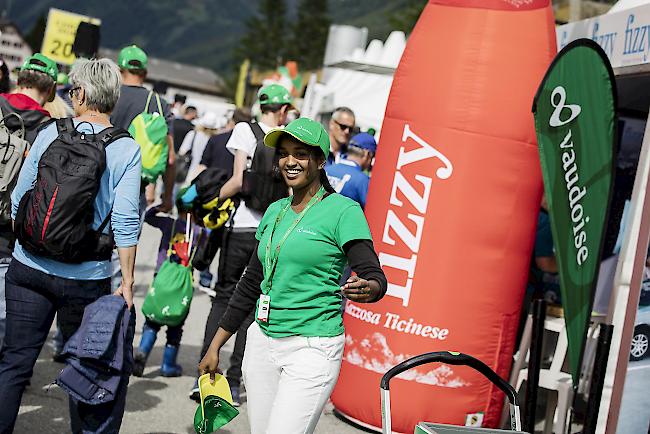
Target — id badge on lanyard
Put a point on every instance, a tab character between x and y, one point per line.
263	308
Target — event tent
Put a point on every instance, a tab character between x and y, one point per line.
361	81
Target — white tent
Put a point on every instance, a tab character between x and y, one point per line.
361	82
627	4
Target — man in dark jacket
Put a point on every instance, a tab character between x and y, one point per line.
36	86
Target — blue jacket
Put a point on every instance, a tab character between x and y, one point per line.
100	353
347	178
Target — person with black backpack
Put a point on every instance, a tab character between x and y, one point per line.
256	180
76	198
22	113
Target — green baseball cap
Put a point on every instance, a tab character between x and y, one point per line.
132	57
274	94
213	414
304	130
216	408
41	63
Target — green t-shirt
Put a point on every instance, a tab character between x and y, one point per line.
305	292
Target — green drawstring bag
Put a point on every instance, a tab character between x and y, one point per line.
170	295
168	300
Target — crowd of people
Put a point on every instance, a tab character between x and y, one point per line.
259	192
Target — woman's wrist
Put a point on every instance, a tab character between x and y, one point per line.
220	339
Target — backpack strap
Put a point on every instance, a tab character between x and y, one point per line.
102	226
196	248
258	132
111	134
158	104
146	105
45	124
20	132
160	110
65	125
171	238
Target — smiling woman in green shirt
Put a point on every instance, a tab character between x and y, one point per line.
294	348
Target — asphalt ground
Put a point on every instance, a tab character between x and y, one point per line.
154	404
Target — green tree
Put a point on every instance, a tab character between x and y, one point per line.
309	34
404	19
266	34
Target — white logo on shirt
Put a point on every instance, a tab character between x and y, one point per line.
305	231
338	183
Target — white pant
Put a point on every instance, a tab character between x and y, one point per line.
289	380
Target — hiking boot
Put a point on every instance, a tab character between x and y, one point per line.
195	393
169	368
147	340
205	279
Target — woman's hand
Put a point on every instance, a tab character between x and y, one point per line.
210	363
360	290
126	291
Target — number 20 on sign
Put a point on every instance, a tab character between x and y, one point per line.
60	34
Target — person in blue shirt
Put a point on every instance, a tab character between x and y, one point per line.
348	176
39	287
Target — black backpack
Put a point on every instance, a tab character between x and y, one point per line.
55	217
262	184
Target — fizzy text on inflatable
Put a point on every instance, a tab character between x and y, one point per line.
395	226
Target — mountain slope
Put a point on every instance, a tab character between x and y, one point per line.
200	32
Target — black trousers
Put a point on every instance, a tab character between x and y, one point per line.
236	250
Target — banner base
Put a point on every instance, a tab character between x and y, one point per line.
354	421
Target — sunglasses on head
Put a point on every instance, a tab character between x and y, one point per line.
344	127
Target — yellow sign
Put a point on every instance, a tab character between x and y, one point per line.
240	94
60	33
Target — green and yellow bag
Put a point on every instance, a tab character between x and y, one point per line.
150	132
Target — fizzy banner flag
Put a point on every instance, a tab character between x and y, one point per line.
575	118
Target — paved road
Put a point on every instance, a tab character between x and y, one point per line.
155	404
635	416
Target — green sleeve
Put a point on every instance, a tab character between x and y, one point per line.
352	225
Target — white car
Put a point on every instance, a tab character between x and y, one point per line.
641	337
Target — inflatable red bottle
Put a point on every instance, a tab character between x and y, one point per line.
452	206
